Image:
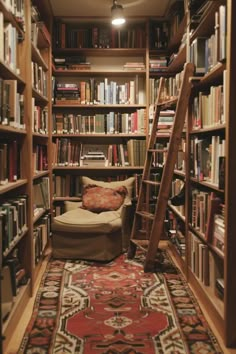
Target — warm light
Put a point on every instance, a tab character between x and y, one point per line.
117	14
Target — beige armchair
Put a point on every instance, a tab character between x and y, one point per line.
83	234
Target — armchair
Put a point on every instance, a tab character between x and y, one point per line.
80	233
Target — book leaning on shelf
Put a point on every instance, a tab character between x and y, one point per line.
41	195
219	233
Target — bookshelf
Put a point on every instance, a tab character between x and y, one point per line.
24	153
99	102
207	208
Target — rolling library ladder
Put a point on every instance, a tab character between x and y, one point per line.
147	226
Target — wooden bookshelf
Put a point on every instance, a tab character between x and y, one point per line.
21	132
221	310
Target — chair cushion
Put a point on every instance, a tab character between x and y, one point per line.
82	220
98	199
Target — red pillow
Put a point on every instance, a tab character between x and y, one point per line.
98	199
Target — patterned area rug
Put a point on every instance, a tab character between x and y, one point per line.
87	307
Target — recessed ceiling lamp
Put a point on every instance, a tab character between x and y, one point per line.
117	16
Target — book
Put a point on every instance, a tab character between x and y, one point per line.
198	54
213	208
6	292
222	161
218	236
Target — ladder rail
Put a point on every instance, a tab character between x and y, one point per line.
168	170
154	223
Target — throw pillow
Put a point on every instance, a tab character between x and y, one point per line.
128	183
98	199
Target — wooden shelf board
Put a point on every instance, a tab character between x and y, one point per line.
37	57
8	129
96	72
102	52
12	185
39	97
40	174
9	74
98	106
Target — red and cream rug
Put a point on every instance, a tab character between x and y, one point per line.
87	307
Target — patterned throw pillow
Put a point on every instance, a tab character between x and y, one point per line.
98	199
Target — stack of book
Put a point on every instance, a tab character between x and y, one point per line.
68	93
134	66
72	63
158	64
93	158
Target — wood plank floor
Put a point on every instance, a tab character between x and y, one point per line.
15	340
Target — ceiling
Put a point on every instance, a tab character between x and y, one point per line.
90	8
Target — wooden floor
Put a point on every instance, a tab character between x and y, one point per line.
15	340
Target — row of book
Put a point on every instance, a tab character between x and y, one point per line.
40	119
67	152
13	221
165	121
218	233
39	30
159	38
160	155
109	123
75	62
68	185
41	235
41	189
207	159
14	275
199	262
158	64
39	78
11	105
8	45
40	158
177	187
9	161
206	52
97	92
68	35
206	267
175	232
208	109
204	206
16	7
171	88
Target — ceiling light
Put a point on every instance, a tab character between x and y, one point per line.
117	14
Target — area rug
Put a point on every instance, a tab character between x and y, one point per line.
89	307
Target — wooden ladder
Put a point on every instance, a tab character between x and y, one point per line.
148	226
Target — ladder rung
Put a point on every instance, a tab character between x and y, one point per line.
153	183
142	244
145	214
167	103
